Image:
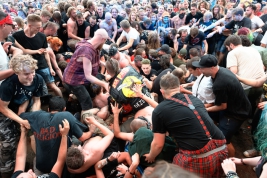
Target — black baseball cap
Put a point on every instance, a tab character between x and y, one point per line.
206	61
165	48
112	51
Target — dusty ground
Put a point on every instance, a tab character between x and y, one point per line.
241	141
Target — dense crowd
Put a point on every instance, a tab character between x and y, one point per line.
133	88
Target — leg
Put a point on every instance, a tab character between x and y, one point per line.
9	136
55	89
83	96
229	126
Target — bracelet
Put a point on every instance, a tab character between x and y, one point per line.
231	174
63	135
242	161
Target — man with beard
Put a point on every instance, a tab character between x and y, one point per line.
256	21
110	25
72	27
83	68
83	26
92	26
230	98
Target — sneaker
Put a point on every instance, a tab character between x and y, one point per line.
251	153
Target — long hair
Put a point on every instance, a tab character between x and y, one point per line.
153	41
261	134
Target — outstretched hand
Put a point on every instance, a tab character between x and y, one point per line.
115	108
137	88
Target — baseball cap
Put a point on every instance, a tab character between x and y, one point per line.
165	48
206	61
112	51
183	52
165	14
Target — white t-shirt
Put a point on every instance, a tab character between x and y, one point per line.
264	39
202	89
3	60
256	22
132	34
248	62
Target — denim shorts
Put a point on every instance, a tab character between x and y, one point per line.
45	73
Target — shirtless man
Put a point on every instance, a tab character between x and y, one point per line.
72	27
123	59
110	25
81	158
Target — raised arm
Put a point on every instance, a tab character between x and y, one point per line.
62	152
138	93
87	66
116	128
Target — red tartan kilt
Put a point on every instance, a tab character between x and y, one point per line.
207	167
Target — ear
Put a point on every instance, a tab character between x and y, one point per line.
64	109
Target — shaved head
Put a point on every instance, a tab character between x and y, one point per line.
101	33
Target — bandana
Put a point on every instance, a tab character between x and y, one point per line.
6	20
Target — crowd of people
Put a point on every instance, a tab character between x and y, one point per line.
138	88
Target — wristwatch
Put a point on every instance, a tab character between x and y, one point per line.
231	174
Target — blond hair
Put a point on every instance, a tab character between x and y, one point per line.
20	62
33	18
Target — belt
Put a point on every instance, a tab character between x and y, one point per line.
210	152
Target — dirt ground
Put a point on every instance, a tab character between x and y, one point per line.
241	141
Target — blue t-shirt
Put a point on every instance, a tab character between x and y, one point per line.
44	126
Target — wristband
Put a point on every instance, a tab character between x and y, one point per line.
231	174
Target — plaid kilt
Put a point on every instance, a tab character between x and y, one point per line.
207	167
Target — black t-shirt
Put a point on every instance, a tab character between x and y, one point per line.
189	17
264	18
259	167
152	72
50	175
156	87
195	41
34	43
227	89
93	29
64	17
11	90
172	67
236	25
44	126
119	19
81	29
101	18
155	65
182	124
